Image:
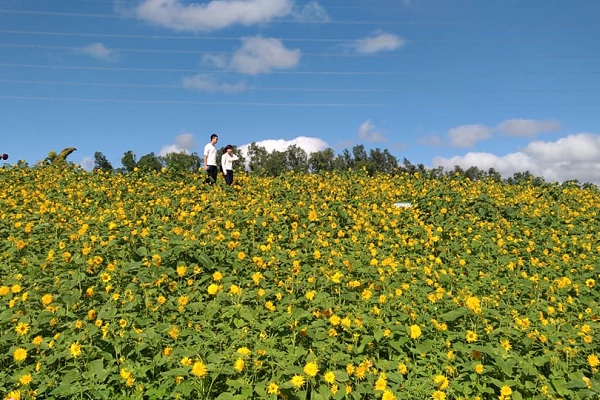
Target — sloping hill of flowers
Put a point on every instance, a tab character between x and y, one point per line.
303	287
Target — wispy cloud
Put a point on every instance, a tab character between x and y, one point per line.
208	83
527	127
382	41
183	143
368	133
100	52
310	12
213	15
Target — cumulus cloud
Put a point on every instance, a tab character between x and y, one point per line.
527	127
468	135
183	143
368	133
208	83
261	55
583	147
100	52
308	144
310	12
572	157
381	41
216	14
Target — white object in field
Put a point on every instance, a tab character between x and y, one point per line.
403	205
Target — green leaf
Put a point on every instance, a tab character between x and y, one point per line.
453	315
96	367
560	385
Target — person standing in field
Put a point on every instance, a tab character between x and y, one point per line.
227	160
210	160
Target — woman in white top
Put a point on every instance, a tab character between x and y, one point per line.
227	160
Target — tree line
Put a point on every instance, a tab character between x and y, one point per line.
261	162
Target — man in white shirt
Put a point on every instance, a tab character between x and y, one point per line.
227	160
210	160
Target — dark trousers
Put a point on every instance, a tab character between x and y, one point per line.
212	172
229	177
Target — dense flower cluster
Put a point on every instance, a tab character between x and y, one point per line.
150	286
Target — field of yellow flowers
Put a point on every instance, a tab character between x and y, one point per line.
151	286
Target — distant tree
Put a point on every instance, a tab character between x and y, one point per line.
383	161
182	162
434	173
150	162
520	178
571	183
361	160
344	161
296	159
408	167
473	173
457	171
275	163
322	161
494	175
359	153
258	158
128	161
101	163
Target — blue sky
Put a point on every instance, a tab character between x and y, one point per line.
512	84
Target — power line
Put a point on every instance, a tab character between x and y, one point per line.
303	105
292	89
558	24
520	41
179	86
148	69
166	37
180	51
189	102
342	73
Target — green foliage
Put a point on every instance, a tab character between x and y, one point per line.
101	163
146	286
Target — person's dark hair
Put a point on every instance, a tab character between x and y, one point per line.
228	147
214	135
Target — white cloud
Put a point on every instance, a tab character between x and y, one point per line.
101	52
572	157
183	143
87	163
527	127
216	14
207	83
468	135
382	41
308	144
583	147
311	12
367	132
261	55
